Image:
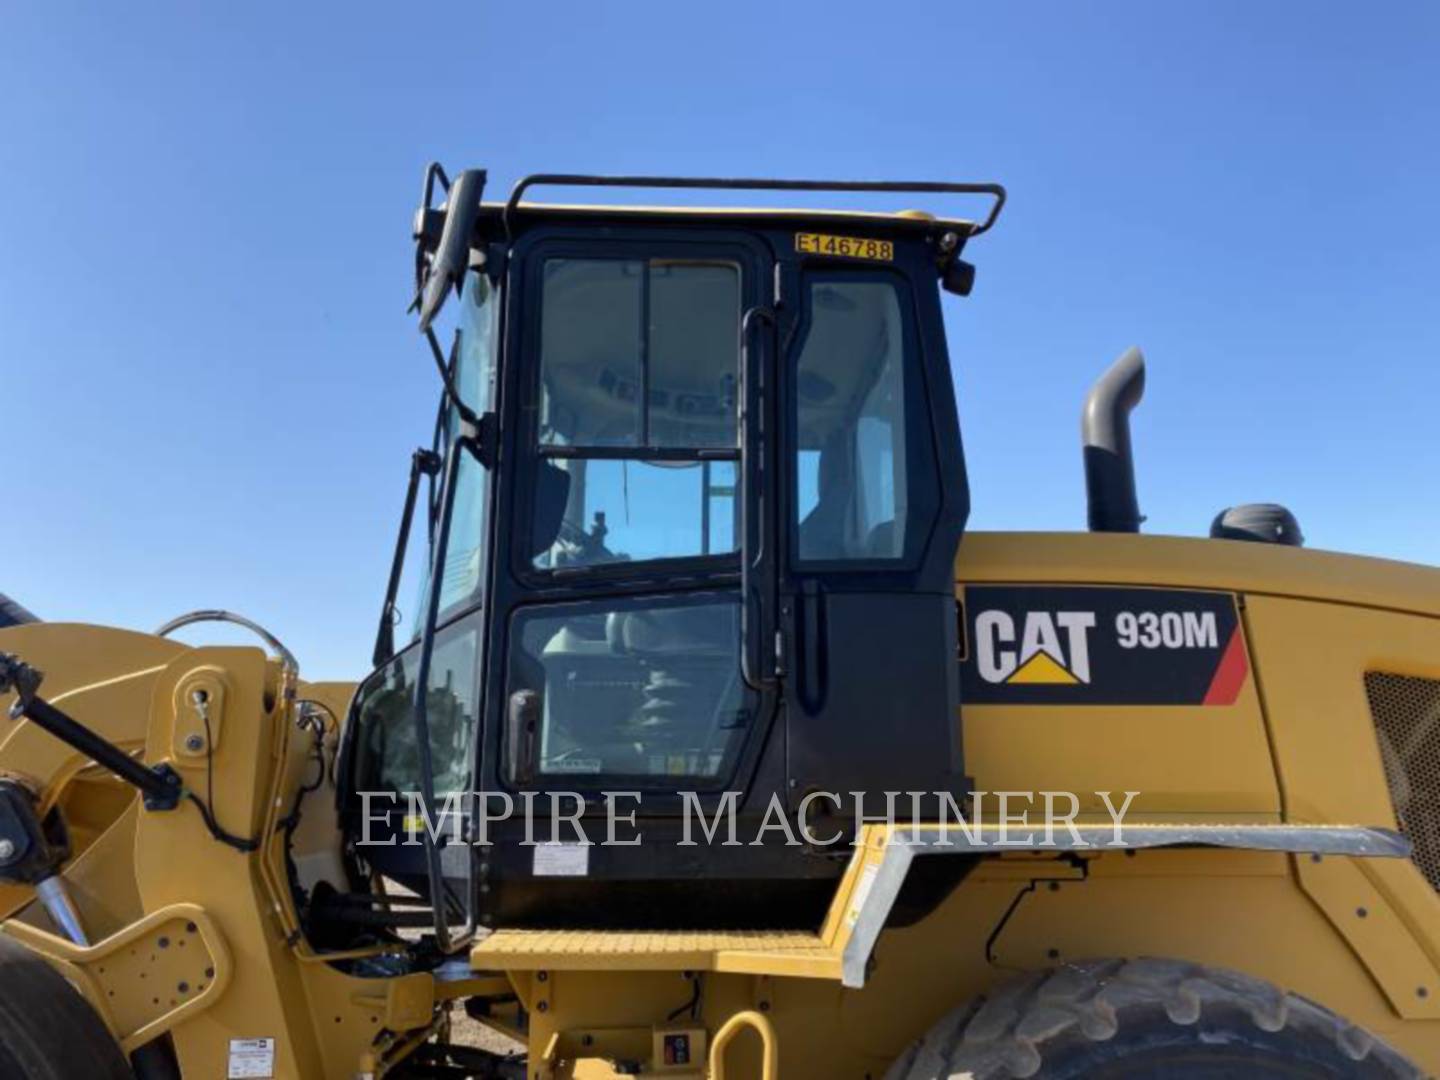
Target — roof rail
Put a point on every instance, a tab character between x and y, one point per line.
995	191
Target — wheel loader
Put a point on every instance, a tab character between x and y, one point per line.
714	745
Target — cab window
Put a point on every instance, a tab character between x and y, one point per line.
637	441
852	452
646	690
387	750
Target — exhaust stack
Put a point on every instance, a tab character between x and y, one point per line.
1105	436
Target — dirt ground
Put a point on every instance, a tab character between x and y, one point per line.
467	1032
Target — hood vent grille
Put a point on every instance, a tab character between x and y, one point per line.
1406	711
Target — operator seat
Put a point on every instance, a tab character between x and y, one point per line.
690	659
823	530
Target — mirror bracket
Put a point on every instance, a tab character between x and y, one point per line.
493	258
481	436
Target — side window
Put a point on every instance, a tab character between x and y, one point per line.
637	442
850	423
645	690
387	753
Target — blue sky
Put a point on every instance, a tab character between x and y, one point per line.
211	387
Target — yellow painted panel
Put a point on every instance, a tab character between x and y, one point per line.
1197	563
1207	762
1341	889
1211	762
1311	660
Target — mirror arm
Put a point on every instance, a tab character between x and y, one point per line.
447	377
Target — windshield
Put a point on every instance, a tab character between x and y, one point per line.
477	337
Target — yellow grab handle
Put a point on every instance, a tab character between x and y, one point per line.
751	1019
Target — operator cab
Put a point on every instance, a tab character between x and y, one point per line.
697	491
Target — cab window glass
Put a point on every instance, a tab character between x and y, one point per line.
476	348
590	360
638	353
625	511
387	750
850	423
637	441
643	690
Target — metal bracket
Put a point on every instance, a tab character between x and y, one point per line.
178	951
22	680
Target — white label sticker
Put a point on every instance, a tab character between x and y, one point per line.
862	891
562	860
251	1059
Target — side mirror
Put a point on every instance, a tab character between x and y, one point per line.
452	254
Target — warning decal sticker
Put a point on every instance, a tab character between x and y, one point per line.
251	1059
1093	645
561	860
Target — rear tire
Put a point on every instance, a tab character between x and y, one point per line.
1145	1020
47	1030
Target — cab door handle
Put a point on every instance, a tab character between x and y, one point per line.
811	663
759	486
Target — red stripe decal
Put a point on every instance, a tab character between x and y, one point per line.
1230	673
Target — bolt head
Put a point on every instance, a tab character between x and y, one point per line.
195	743
7	850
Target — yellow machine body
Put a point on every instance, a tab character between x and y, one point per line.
201	941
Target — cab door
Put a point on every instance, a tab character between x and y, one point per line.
875	504
618	606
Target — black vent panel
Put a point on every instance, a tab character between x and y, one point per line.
1406	711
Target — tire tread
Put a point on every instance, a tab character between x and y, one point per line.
48	1031
1005	1034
